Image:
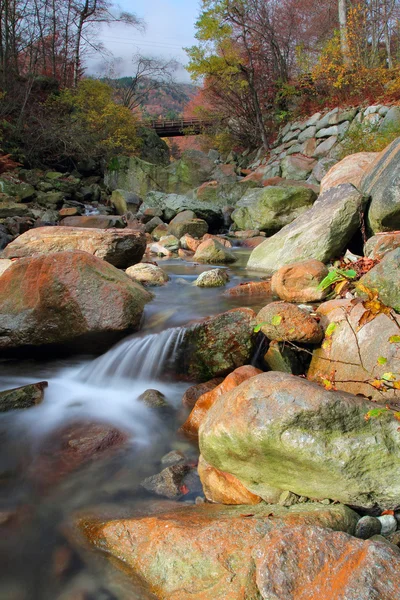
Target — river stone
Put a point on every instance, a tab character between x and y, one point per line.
169	482
159	231
9	208
154	399
194	227
281	357
202	552
377	246
94	221
170	242
367	527
193	393
121	248
297	167
382	183
147	274
299	282
217	345
321	233
22	397
278	430
67	300
385	278
349	170
350	354
272	207
311	563
284	322
212	251
213	278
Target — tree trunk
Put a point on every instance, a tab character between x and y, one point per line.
343	31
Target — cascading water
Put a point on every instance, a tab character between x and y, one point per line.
137	358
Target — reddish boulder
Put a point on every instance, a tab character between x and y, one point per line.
120	247
67	300
193	393
382	243
223	488
349	170
286	322
204	403
250	288
311	563
299	281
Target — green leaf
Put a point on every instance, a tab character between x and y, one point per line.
382	360
388	377
276	320
258	327
330	330
376	412
394	339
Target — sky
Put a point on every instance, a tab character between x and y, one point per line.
169	28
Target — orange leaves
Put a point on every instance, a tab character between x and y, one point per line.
373	305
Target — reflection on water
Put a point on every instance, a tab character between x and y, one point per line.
39	556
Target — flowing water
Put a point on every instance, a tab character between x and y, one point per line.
39	556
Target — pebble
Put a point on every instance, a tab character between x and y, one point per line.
389	524
367	527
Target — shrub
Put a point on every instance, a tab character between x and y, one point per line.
365	137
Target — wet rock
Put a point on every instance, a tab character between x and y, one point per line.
73	446
159	231
184	553
288	499
173	458
379	245
211	252
223	488
384	278
67	300
218	345
169	483
367	527
349	355
185	255
321	233
250	288
252	242
169	242
346	568
271	208
380	182
204	403
193	393
22	397
213	278
349	170
218	238
147	274
299	282
9	208
121	248
255	431
153	399
154	223
286	322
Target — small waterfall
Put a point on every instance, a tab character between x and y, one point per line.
139	358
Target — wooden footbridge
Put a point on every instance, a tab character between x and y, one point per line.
178	128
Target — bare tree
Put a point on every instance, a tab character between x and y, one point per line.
342	8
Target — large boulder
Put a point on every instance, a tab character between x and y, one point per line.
354	355
379	245
349	170
121	248
223	488
147	274
172	204
321	233
202	552
271	208
67	300
94	222
312	563
384	278
218	345
281	431
382	184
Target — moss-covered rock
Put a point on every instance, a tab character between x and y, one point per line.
271	208
283	431
385	278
